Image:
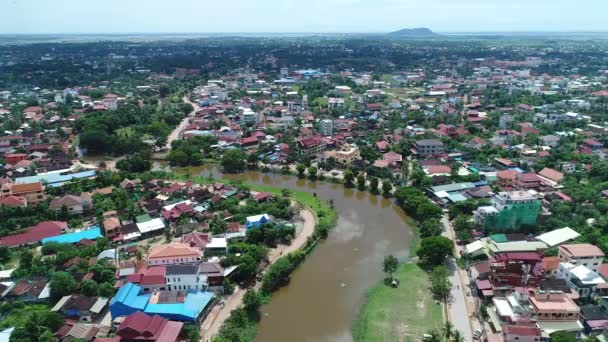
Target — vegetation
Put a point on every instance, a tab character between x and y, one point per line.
399	314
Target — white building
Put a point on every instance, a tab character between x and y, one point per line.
326	127
584	254
580	278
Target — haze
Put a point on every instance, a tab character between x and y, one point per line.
190	16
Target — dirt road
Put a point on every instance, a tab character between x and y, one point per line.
220	313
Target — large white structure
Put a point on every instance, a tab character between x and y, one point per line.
326	127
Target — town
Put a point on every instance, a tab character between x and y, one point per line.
121	220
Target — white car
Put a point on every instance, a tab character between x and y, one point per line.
477	334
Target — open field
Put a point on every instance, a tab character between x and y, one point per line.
399	314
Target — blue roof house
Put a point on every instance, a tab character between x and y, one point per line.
257	220
129	300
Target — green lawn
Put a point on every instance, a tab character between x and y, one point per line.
401	314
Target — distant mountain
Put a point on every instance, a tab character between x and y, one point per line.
420	32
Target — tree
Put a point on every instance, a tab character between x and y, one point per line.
457	336
430	228
192	333
390	265
440	284
300	168
434	250
62	284
217	225
373	185
312	172
428	211
234	161
361	181
387	187
349	177
447	330
105	290
5	254
252	300
88	288
26	257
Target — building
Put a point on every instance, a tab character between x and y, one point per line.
580	278
186	306
174	254
521	333
346	155
311	147
428	147
584	254
34	235
111	227
249	117
32	192
509	211
185	277
555	306
82	308
515	269
507	178
326	127
146	328
74	204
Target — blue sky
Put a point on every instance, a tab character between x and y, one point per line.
120	16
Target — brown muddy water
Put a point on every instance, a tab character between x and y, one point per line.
325	293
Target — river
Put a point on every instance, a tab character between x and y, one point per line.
325	293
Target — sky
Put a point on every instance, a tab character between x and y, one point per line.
278	16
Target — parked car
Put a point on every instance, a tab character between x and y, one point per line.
477	334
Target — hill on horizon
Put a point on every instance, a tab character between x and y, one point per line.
415	32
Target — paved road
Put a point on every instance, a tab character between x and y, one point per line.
458	313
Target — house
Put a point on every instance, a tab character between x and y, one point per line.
551	174
82	308
521	333
13	201
185	277
580	278
30	290
174	254
582	254
551	307
139	327
515	269
75	204
595	321
550	140
187	306
550	267
14	158
111	227
427	147
129	184
592	144
72	330
256	221
558	236
528	180
34	235
32	192
507	178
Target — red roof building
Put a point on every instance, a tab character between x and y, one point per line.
34	234
143	328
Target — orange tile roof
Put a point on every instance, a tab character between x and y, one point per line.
28	187
173	250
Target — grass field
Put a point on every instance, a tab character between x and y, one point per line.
399	314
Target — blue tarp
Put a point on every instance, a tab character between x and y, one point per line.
91	234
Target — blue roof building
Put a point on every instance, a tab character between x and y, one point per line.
92	233
55	178
128	300
257	220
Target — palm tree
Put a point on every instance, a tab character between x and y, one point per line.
457	336
447	330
